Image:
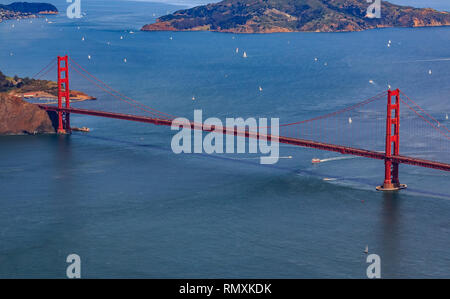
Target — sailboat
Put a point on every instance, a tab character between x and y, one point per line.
350	120
366	251
245	55
237	50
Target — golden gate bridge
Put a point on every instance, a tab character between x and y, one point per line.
377	134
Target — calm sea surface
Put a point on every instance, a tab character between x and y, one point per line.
120	198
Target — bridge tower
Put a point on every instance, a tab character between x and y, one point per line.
391	180
63	92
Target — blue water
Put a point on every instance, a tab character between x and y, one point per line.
123	201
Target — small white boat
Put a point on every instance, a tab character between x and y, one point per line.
260	88
245	55
329	179
350	120
82	39
430	72
366	250
446	116
315	160
125	60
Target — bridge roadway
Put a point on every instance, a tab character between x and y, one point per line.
287	140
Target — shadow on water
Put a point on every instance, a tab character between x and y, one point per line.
390	234
63	167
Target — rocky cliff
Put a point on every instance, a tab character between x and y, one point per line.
20	117
266	16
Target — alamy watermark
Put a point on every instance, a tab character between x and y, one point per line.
374	10
221	139
74	268
374	269
74	9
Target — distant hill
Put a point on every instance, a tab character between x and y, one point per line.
267	16
30	8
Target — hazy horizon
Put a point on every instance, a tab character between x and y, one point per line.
436	4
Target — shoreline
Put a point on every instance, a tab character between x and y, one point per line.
305	31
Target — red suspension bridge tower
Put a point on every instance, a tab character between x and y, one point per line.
63	92
391	180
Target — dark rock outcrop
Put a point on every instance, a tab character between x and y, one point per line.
20	117
267	16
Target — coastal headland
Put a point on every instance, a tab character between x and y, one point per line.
17	116
25	10
270	16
